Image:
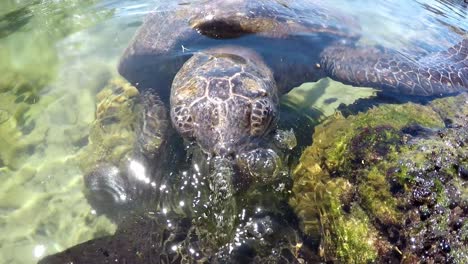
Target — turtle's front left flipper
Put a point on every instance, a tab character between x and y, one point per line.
126	155
140	239
435	74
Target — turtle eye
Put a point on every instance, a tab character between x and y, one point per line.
224	28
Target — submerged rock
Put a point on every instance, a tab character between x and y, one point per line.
388	185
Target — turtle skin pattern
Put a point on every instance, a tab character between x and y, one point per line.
443	72
130	129
224	98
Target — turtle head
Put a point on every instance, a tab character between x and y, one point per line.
225	99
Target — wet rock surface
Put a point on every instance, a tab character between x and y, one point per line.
388	185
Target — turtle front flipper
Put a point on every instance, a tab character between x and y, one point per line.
140	239
435	74
266	164
153	126
124	157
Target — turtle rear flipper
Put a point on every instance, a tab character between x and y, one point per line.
435	74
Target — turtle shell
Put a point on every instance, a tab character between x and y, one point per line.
173	32
224	97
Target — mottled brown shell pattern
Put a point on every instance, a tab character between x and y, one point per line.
223	97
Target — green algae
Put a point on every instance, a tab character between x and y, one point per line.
451	109
112	134
377	198
356	238
376	165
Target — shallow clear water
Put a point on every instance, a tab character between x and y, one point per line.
55	56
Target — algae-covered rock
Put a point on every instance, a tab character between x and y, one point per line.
388	184
113	132
125	122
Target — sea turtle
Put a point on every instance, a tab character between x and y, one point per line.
126	179
221	65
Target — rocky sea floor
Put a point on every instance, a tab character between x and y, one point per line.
389	184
